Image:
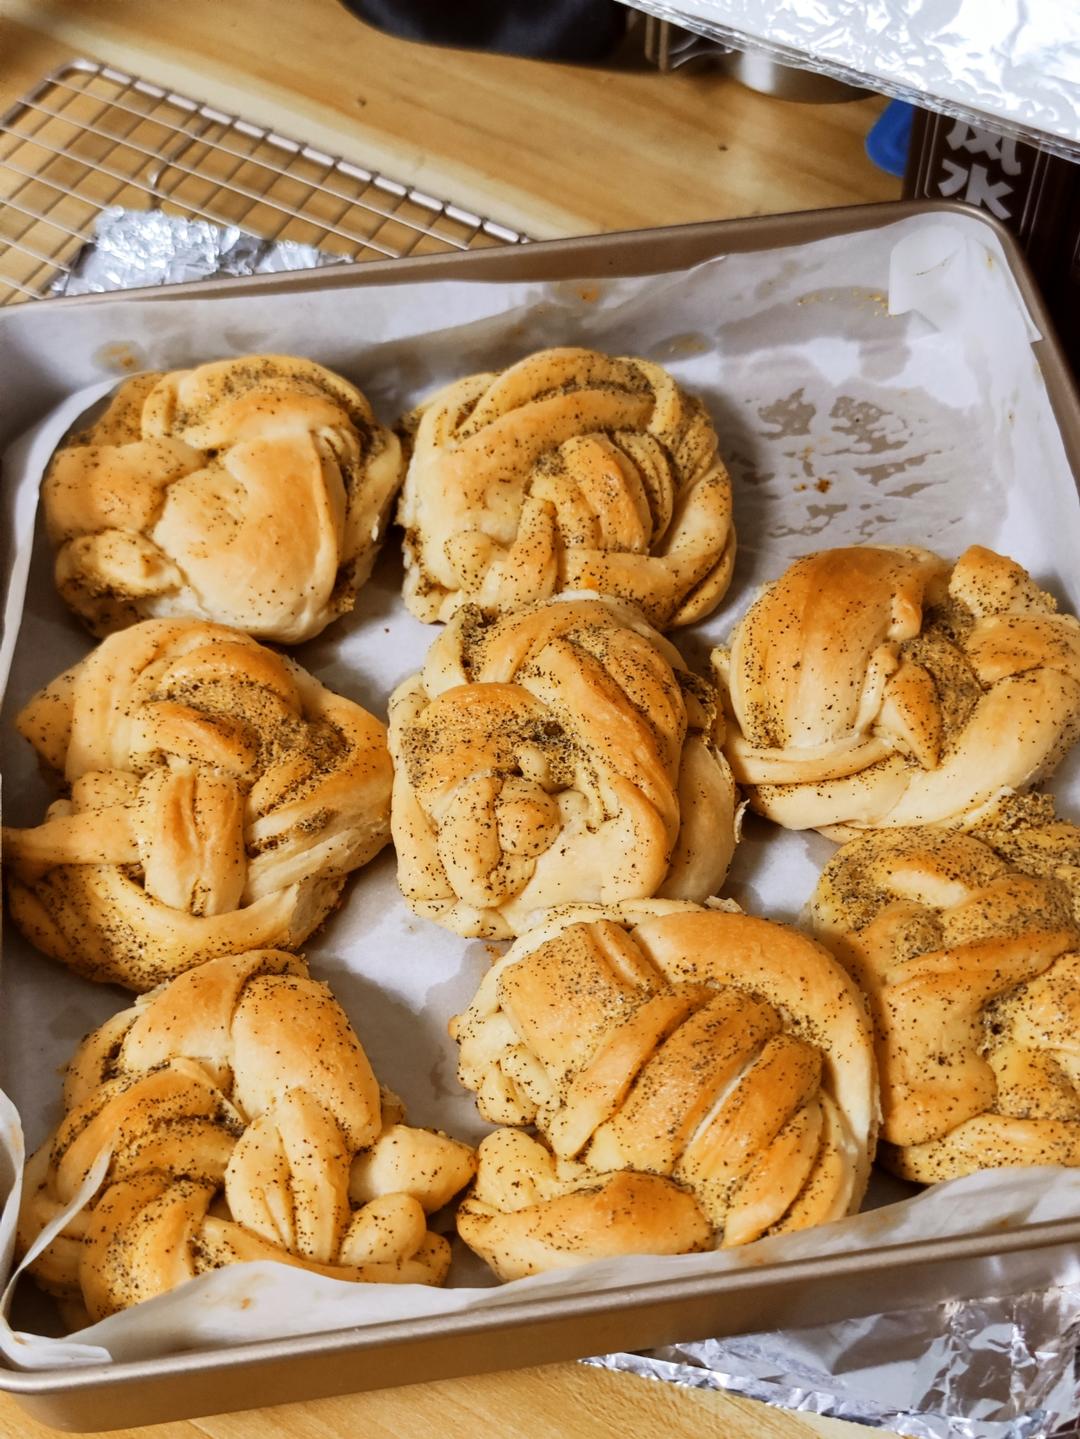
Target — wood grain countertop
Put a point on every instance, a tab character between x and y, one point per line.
551	150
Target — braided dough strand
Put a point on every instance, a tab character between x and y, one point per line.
563	753
250	491
873	687
570	470
971	962
244	1122
720	1063
218	798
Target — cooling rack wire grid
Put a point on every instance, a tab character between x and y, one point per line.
88	137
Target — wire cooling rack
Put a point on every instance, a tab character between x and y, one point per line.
89	136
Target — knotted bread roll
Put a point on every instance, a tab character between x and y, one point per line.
244	1122
218	797
971	962
875	687
700	1077
559	754
570	470
251	491
530	1211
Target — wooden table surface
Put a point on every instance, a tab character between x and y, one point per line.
552	150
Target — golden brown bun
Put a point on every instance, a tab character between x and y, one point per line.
244	1123
251	491
972	967
529	1211
571	470
725	1055
563	753
219	796
875	687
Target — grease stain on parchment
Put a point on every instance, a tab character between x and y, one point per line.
790	415
819	463
121	357
675	347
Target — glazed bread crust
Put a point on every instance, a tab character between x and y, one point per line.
530	1211
873	687
218	798
563	753
571	470
700	1055
971	962
252	492
243	1122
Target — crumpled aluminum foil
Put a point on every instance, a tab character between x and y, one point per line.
970	1369
981	1369
147	247
1010	65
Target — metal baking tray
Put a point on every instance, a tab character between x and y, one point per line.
803	1292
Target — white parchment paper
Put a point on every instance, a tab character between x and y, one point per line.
877	387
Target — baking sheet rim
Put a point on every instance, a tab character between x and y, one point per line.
648	251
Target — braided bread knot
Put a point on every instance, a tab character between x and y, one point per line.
244	1123
219	796
250	491
719	1064
874	687
570	470
971	962
562	753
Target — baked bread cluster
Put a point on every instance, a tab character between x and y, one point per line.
244	1122
560	754
252	492
218	796
571	470
877	687
696	1077
665	1076
970	958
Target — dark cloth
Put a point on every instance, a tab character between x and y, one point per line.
581	30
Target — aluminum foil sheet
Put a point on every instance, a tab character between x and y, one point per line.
971	1369
1012	65
132	248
